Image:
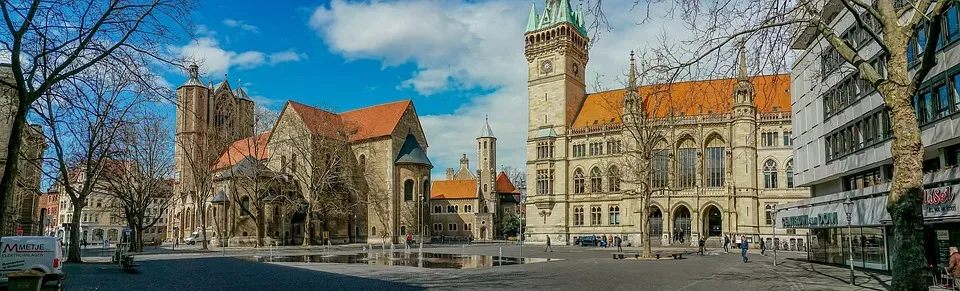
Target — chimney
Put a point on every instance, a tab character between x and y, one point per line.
449	174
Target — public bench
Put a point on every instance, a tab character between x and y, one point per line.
620	256
675	255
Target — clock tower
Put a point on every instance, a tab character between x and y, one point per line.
556	51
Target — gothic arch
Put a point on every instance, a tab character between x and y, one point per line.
677	206
714	139
658	206
684	137
707	205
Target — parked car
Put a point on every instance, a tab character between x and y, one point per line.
40	253
588	241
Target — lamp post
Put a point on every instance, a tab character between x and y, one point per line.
848	208
521	210
776	245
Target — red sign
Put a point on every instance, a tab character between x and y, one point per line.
20	231
937	196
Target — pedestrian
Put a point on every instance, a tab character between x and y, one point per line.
743	248
470	240
548	245
953	268
726	243
618	241
681	235
676	234
763	248
610	240
737	242
700	243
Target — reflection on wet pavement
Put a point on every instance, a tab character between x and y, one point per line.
411	259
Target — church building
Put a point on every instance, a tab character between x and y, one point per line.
314	177
721	161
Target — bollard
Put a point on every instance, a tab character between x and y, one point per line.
658	256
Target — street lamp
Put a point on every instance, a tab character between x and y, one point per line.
776	245
848	208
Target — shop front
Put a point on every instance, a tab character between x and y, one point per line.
868	226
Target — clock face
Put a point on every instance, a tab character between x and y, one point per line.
546	66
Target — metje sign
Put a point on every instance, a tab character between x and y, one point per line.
819	220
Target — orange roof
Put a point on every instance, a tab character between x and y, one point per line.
454	189
376	121
687	98
504	185
370	122
255	146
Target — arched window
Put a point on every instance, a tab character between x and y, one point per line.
373	231
468	208
403	230
687	164
245	203
614	215
450	209
437	209
596	180
578	182
770	174
578	216
790	174
408	190
613	177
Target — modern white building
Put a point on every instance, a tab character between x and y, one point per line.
843	139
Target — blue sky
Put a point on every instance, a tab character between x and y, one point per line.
457	59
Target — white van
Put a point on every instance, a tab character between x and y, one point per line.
195	237
41	253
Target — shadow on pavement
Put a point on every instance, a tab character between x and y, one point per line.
215	274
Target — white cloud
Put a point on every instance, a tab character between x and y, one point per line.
203	30
217	60
461	44
240	24
286	56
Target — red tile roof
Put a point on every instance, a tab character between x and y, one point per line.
714	96
454	189
369	122
504	185
255	146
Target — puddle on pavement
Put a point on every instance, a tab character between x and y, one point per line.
412	259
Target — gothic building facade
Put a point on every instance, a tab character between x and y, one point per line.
375	156
465	206
721	161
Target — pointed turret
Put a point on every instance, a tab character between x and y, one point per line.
486	131
412	153
533	21
743	63
194	79
743	91
632	80
556	12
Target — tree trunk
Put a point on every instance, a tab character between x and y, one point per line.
11	168
260	227
203	225
136	239
645	234
904	202
306	230
73	253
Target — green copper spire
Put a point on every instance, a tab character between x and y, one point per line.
533	23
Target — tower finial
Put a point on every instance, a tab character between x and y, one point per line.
743	60
633	72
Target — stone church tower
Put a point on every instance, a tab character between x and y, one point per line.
743	153
486	182
209	119
556	52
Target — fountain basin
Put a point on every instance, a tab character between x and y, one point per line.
429	260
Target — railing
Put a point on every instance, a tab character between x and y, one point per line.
680	120
775	115
597	128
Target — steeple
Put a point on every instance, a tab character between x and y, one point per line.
633	73
556	12
743	62
194	76
485	131
465	163
743	90
533	20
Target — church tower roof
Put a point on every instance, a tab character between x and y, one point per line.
412	153
533	21
194	76
554	13
486	131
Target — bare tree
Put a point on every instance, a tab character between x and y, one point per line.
892	25
323	164
199	157
50	42
517	176
83	118
253	185
138	180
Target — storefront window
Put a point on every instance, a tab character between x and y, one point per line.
830	245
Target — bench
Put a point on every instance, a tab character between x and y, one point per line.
675	255
619	256
127	262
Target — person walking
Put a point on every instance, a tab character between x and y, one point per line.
726	243
548	245
676	234
700	243
953	268
681	235
618	241
763	248
743	248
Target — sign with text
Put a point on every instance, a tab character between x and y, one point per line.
818	220
938	203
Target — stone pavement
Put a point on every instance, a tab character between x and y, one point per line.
572	268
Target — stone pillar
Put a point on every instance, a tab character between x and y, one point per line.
695	227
